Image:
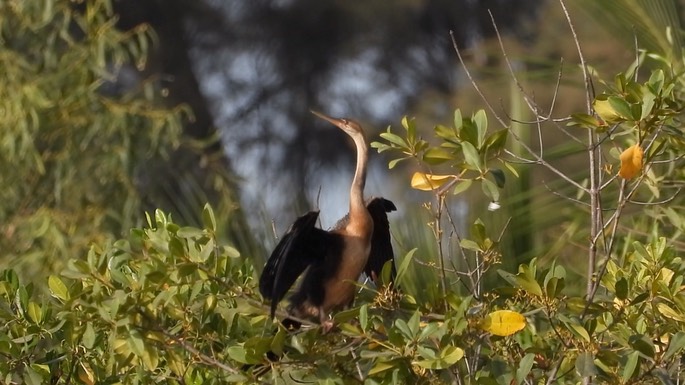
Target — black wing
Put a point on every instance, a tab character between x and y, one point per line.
381	247
298	248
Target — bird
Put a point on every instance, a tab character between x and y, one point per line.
332	261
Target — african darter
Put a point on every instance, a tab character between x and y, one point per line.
359	242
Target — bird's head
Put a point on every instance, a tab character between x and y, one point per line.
351	127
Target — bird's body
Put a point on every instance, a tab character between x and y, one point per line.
333	259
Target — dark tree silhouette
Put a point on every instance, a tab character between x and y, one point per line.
263	64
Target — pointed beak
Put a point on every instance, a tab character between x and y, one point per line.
333	121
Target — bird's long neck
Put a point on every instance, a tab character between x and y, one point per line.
357	205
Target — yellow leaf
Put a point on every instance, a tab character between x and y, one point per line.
428	182
85	374
631	162
503	322
604	110
668	312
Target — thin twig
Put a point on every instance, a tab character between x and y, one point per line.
473	82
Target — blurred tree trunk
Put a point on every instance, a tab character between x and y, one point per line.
198	171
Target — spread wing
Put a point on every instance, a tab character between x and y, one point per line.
381	246
300	247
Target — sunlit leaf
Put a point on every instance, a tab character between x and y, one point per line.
406	261
428	182
451	354
503	322
85	374
394	139
208	218
621	107
605	110
381	366
631	162
57	288
584	120
675	345
668	312
35	312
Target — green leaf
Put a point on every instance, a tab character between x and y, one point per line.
524	280
448	357
237	353
135	340
57	288
621	107
585	364
394	162
458	120
404	329
499	177
647	105
363	316
478	231
451	354
676	345
525	365
471	156
496	141
31	377
642	344
190	232
414	323
480	119
490	190
437	155
410	125
575	327
446	133
394	139
150	357
469	245
402	269
381	366
88	337
584	120
35	312
656	81
622	288
630	366
462	186
208	218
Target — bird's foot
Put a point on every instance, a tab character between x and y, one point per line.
327	325
326	321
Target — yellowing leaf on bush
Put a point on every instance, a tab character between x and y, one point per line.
503	322
669	312
428	182
631	162
604	110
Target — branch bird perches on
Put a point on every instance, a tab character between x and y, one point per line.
333	260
